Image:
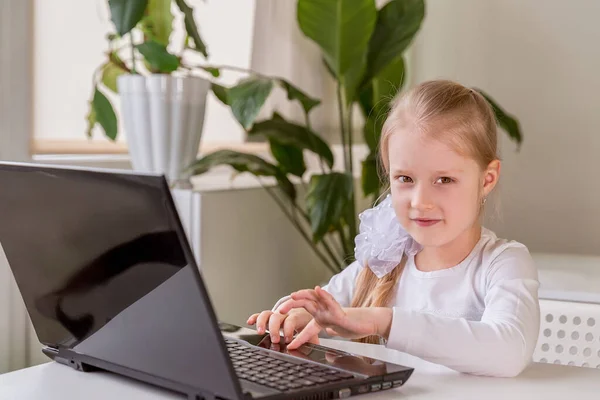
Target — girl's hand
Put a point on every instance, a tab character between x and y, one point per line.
292	321
352	323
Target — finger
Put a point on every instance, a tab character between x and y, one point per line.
274	325
309	331
326	298
306	294
252	319
289	326
308	305
314	339
261	321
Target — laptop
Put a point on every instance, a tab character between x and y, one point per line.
109	280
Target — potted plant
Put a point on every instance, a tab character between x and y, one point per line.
362	49
162	103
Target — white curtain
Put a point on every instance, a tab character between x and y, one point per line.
281	49
16	22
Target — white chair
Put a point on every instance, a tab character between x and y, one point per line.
569	334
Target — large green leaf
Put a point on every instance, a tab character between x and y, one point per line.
289	157
191	27
387	83
160	60
397	23
372	130
370	181
506	121
288	133
327	200
365	99
221	92
110	73
157	24
243	162
352	80
342	28
247	98
104	114
293	93
125	14
375	100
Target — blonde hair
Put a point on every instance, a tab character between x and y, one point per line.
469	128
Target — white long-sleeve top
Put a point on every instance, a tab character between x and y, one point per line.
480	317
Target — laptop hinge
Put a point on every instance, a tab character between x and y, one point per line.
50	352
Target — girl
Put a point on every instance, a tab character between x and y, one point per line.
429	280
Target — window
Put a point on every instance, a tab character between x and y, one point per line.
69	41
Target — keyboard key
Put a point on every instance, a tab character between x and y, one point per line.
316	379
294	385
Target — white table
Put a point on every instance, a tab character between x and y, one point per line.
54	381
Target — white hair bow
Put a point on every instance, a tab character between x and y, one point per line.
382	240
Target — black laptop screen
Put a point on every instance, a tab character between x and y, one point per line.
84	246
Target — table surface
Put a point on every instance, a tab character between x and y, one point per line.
53	381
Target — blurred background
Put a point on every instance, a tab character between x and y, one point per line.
537	59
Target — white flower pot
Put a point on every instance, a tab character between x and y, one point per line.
163	117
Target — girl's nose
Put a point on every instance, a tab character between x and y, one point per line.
421	199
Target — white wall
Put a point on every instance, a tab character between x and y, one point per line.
70	39
540	59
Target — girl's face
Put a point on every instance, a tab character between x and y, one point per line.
436	192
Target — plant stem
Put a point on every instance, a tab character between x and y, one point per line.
300	230
119	63
352	213
348	114
346	128
340	254
232	68
133	71
345	248
342	125
336	259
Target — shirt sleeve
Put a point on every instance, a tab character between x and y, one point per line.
340	286
501	344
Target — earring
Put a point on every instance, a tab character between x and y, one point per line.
483	200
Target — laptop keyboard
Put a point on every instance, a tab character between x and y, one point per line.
260	367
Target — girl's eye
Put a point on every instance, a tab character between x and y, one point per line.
445	180
405	179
